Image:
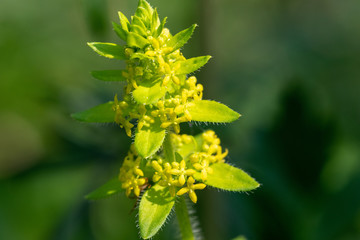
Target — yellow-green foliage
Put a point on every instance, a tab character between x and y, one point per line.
158	96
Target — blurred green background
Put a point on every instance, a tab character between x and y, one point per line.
291	67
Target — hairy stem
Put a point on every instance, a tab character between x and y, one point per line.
183	217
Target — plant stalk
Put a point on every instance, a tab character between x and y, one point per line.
183	217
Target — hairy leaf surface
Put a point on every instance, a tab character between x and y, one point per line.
211	111
124	22
181	38
108	50
229	178
149	93
149	139
192	64
155	206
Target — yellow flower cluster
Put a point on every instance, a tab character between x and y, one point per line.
131	176
156	63
178	176
211	152
173	111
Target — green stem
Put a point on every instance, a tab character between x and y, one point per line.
183	217
181	209
168	149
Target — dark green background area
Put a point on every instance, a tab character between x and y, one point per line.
290	67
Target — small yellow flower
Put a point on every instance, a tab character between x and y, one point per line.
181	171
171	183
161	172
119	108
190	188
203	166
130	173
133	184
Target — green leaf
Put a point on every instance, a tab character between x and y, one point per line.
211	111
124	22
142	14
119	31
149	93
192	64
199	142
186	149
108	189
229	178
149	139
181	38
138	30
178	157
102	113
109	50
144	10
160	28
183	217
135	40
155	206
108	75
138	22
155	21
146	5
140	56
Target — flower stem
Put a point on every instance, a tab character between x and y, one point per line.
168	149
183	217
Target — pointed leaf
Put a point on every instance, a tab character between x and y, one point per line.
144	15
155	207
138	22
102	113
135	40
119	31
109	50
149	139
178	157
155	21
144	10
188	148
149	93
108	75
160	28
211	111
138	30
108	189
140	56
229	178
124	22
192	64
199	142
146	5
181	38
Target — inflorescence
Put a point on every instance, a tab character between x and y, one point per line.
160	94
178	174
